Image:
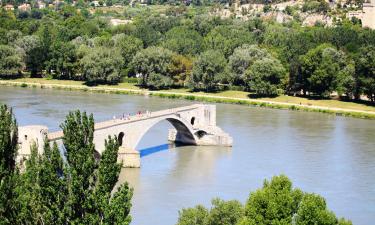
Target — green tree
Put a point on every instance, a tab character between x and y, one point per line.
206	70
64	60
241	59
275	203
323	70
313	210
78	137
183	40
265	76
225	212
90	184
226	38
152	62
365	72
8	169
128	47
101	65
147	34
11	62
29	191
31	49
193	216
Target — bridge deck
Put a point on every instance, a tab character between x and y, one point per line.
118	121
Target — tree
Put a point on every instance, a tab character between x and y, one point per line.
8	169
79	191
128	47
11	62
323	69
183	40
226	38
265	76
193	216
89	189
365	72
53	185
206	69
29	191
147	34
275	203
180	69
241	59
313	210
152	60
63	63
101	65
78	137
221	213
225	212
31	50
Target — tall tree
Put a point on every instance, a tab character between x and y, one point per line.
78	130
241	59
102	65
90	184
8	170
152	62
32	51
323	69
11	62
265	76
207	69
365	71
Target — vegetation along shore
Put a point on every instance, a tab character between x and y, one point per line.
334	107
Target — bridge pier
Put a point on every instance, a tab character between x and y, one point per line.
129	158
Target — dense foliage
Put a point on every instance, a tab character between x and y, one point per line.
277	202
190	47
51	190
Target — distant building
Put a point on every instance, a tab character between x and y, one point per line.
116	22
41	5
24	7
9	7
366	15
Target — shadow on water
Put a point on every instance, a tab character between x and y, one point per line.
148	151
152	150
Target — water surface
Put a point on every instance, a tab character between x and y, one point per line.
332	156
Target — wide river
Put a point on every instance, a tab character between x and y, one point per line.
328	155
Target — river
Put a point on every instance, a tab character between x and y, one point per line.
328	155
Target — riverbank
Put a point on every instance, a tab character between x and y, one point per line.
334	107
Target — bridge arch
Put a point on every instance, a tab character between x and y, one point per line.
184	130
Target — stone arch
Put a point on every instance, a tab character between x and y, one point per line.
184	130
120	138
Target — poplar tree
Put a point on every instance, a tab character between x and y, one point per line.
78	137
8	169
90	183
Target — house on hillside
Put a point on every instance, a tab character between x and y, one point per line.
9	7
41	5
366	15
116	22
24	7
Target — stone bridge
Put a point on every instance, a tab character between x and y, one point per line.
194	125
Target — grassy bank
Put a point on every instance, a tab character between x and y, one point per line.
233	97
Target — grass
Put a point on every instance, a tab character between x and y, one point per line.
236	97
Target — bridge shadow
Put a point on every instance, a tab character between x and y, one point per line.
159	148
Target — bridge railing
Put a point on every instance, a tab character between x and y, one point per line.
125	118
